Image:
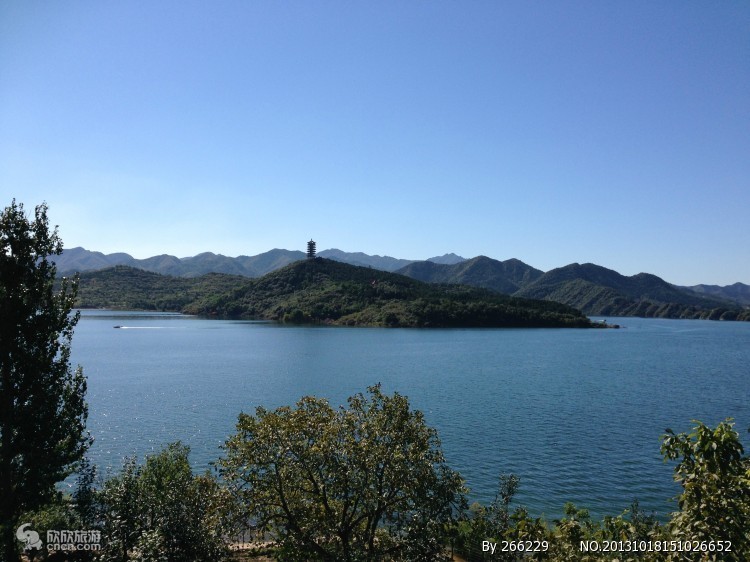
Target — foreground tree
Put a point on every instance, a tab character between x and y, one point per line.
42	406
161	511
715	499
367	482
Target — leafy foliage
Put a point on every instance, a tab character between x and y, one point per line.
369	482
42	400
363	483
715	478
161	511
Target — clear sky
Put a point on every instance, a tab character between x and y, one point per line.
609	132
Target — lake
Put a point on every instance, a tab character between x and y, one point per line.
578	415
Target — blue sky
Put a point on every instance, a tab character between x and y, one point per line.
554	132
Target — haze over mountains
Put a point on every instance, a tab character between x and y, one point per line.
591	288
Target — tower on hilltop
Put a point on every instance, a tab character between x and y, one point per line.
311	250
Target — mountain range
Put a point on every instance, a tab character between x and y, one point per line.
593	289
323	291
79	260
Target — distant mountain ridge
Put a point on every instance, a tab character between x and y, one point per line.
383	263
597	290
738	292
79	259
503	276
593	289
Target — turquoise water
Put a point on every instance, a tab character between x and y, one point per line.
577	414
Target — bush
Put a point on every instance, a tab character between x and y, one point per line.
161	511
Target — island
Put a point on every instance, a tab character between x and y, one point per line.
322	291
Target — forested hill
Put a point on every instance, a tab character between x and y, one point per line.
738	292
597	290
593	289
323	291
127	288
506	276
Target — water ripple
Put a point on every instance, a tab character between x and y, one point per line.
576	414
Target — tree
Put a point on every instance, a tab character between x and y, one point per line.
161	511
42	400
365	482
715	480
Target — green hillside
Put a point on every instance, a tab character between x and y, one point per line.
600	291
323	291
593	289
127	288
502	276
738	292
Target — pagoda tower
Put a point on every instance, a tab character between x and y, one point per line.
311	250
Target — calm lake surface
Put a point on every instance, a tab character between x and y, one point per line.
577	414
